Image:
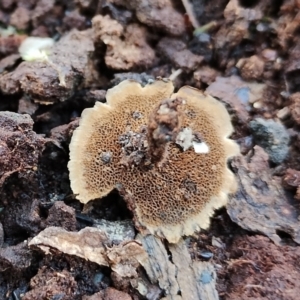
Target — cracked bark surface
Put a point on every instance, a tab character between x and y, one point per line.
176	273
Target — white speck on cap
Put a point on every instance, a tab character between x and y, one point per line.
200	147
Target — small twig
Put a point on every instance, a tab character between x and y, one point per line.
205	28
254	286
175	74
233	262
190	12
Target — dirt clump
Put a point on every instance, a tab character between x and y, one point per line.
16	258
127	48
292	70
62	215
8	62
57	78
177	52
295	107
251	68
108	294
291	180
159	14
61	135
239	95
20	18
205	76
20	146
51	284
235	28
10	44
165	122
257	268
142	78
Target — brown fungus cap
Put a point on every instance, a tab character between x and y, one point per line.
112	149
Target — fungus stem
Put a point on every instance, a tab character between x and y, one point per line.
163	127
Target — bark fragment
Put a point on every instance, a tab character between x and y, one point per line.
239	95
93	244
178	276
261	205
127	48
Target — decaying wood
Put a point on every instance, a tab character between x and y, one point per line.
261	205
169	265
158	266
89	243
196	279
178	275
93	244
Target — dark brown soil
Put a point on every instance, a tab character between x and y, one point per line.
246	53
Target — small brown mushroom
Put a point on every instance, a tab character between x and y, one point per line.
171	192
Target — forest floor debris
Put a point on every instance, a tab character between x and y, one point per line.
245	55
